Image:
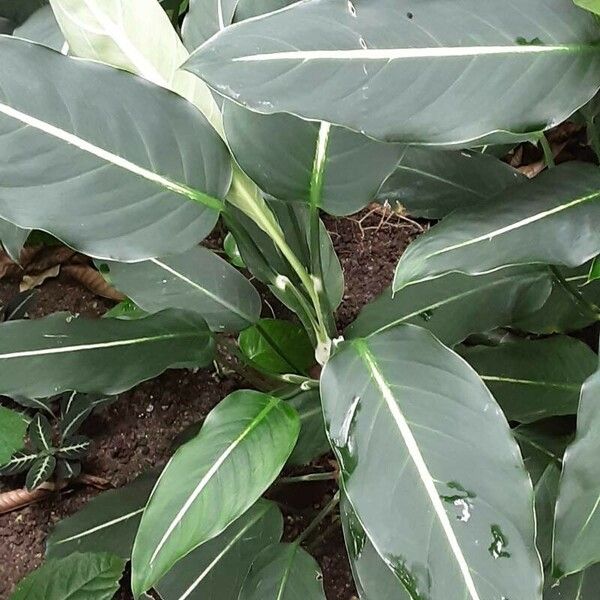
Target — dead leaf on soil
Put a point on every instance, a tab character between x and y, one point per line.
93	281
32	281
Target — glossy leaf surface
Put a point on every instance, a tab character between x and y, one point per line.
218	567
13	427
457	305
418	434
371	65
534	379
212	480
90	355
552	219
577	523
109	191
333	168
204	19
431	184
41	27
77	577
107	523
285	572
197	280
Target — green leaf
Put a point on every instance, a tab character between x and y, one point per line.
418	434
40	433
312	441
13	238
246	9
77	577
41	27
371	575
204	19
107	523
233	252
457	305
581	586
67	469
74	448
212	480
19	462
399	72
293	160
431	184
19	11
531	223
285	572
40	471
577	523
16	307
591	5
76	409
135	35
110	192
197	280
13	427
534	379
562	312
217	568
110	355
277	346
594	270
127	310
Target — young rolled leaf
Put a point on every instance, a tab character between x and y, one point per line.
212	480
277	346
40	471
580	586
373	578
431	184
217	568
110	192
92	355
562	312
285	572
135	35
91	576
328	167
40	433
13	427
197	280
107	523
455	306
532	223
534	379
418	434
399	72
577	520
41	27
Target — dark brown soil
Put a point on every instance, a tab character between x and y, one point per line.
136	432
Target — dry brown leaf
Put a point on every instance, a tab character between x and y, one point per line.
93	281
532	170
16	499
32	281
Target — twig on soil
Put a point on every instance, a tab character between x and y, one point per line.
328	476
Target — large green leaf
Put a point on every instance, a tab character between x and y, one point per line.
373	578
76	577
90	355
204	19
284	572
197	280
534	379
418	434
581	586
562	312
217	568
19	11
591	5
100	179
135	35
41	27
13	426
246	9
332	168
533	222
431	184
213	479
457	305
577	524
107	523
397	71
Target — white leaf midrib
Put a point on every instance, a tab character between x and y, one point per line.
419	463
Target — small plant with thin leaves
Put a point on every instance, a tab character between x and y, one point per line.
447	403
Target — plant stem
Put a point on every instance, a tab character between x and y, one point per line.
328	476
330	507
580	299
548	154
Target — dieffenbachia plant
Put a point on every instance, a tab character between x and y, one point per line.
147	124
